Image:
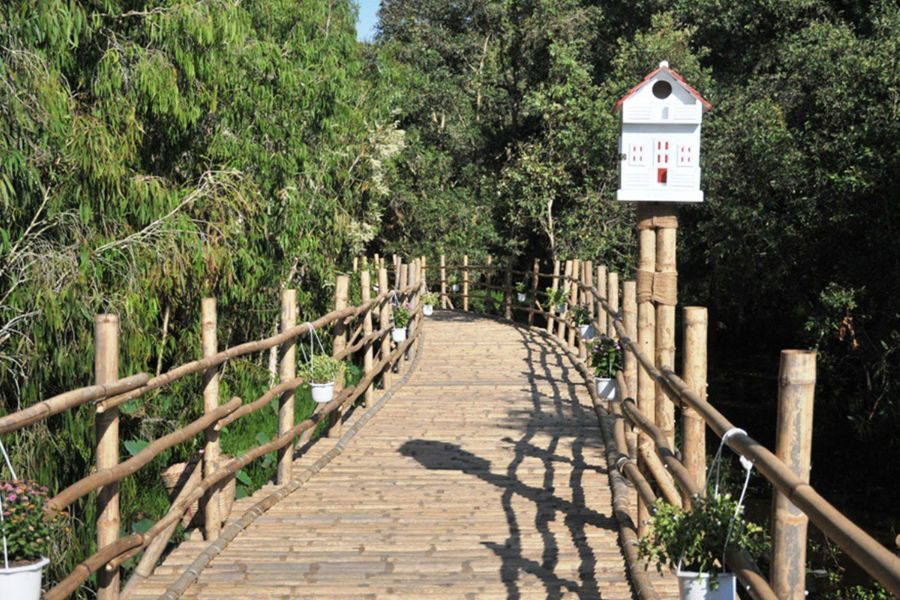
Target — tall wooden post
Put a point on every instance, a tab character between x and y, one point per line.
413	279
629	316
287	371
423	272
508	290
587	278
695	376
573	298
402	275
564	284
665	294
612	297
339	337
384	320
793	445
551	308
646	392
212	517
602	317
365	287
397	271
443	282
535	275
106	371
465	282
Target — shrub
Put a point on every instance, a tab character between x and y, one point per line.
322	369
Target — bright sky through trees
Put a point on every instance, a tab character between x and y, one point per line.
368	16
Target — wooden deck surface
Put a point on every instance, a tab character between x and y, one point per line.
482	477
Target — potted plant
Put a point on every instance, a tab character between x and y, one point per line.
557	298
694	541
453	280
606	360
582	318
401	322
320	373
429	299
26	535
521	296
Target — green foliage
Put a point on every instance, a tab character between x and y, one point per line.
322	368
430	298
24	528
695	540
556	298
606	357
580	315
401	316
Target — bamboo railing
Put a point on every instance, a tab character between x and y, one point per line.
652	463
353	336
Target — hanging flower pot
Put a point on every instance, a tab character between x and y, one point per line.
398	334
455	287
607	388
699	586
402	317
521	297
429	299
586	331
606	360
22	582
321	372
322	393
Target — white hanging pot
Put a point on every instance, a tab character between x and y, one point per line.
427	310
562	308
607	388
455	287
398	334
586	331
520	296
695	586
22	582
322	393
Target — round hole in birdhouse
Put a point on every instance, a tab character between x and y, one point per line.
662	89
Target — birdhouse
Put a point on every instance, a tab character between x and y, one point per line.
659	148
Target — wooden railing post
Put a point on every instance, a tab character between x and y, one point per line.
612	297
412	279
665	295
573	299
384	320
443	282
587	278
564	284
212	517
695	376
465	288
646	390
535	275
287	371
793	445
630	320
106	370
397	271
339	333
365	287
551	308
423	272
508	290
600	285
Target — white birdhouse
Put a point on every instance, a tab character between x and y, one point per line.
659	147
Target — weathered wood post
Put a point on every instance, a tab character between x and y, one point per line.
573	300
106	370
665	295
385	318
793	445
629	316
646	391
695	376
602	317
287	371
612	297
423	272
587	297
413	279
339	337
355	264
209	345
551	307
465	287
564	285
508	290
443	282
397	271
535	275
365	287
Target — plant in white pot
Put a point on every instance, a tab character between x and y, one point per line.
582	318
557	299
401	322
521	294
453	280
694	542
25	535
606	360
320	373
429	299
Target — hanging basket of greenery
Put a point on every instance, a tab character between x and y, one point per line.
521	294
557	299
606	360
429	300
582	318
401	315
321	373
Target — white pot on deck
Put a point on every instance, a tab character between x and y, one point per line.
521	297
427	310
607	388
398	334
22	582
322	393
586	332
695	586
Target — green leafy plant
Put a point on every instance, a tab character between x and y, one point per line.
24	526
606	357
322	369
580	315
430	298
695	540
401	316
556	297
520	287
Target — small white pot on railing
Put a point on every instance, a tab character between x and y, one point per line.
521	297
427	310
398	334
322	393
455	287
696	586
607	388
586	332
562	308
22	582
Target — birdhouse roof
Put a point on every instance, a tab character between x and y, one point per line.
664	68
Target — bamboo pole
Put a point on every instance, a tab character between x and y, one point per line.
646	338
793	445
508	290
665	295
630	319
365	285
341	289
288	371
465	303
397	271
535	275
564	283
212	518
423	271
602	317
412	281
695	376
587	298
573	298
443	282
106	370
384	321
551	309
612	298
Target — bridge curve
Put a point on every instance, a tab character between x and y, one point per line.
483	476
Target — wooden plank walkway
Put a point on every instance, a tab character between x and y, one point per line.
483	477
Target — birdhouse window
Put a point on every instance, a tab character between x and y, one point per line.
685	155
636	155
662	89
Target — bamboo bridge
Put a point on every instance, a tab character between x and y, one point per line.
472	460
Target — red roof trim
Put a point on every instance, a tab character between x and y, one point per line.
675	76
